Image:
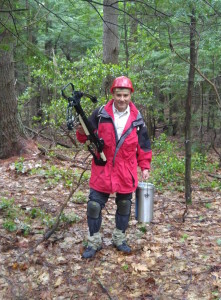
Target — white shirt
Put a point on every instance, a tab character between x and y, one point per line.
120	119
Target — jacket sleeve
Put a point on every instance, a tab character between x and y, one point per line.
82	138
144	152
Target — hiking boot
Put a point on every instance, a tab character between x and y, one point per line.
90	252
123	247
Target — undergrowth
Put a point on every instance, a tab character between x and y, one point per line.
168	166
16	218
168	169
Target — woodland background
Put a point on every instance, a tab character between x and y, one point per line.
171	52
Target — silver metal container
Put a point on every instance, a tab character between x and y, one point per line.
144	202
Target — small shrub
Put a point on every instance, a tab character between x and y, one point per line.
9	225
79	197
6	203
69	218
19	165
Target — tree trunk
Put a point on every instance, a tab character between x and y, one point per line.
110	38
188	108
201	91
126	38
12	137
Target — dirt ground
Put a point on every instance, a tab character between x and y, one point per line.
173	257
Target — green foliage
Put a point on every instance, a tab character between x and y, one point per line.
86	75
55	175
214	184
17	219
19	165
143	229
184	237
125	267
69	218
12	214
208	205
169	168
9	225
80	197
6	203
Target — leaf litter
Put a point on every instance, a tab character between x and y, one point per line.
171	259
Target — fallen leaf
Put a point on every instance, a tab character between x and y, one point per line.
139	267
44	278
58	282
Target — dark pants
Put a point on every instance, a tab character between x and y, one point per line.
122	221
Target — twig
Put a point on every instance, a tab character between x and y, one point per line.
104	288
162	207
13	10
185	213
13	286
75	163
5	237
215	176
69	135
189	283
46	137
218	100
50	231
205	200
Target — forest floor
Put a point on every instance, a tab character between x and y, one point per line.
177	256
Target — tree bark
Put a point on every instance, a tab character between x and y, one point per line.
188	107
110	38
12	137
126	38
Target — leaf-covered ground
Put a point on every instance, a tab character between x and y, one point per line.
171	259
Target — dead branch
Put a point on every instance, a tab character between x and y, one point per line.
103	288
46	137
12	10
185	213
75	163
215	176
50	231
5	237
69	135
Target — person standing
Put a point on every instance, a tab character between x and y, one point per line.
126	146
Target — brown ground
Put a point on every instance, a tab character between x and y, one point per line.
171	259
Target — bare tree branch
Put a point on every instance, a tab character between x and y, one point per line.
104	20
211	6
13	10
13	19
58	17
128	14
218	100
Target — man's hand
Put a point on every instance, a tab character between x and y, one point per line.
145	174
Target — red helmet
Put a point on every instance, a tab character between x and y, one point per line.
122	82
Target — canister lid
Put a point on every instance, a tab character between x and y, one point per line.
144	185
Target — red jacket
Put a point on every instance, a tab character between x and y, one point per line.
120	172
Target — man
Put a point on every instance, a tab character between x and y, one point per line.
126	145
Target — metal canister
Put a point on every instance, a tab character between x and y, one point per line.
144	202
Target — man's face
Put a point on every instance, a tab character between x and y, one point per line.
122	99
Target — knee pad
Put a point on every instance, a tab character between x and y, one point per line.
93	209
123	207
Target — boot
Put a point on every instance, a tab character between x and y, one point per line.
119	241
94	245
89	252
